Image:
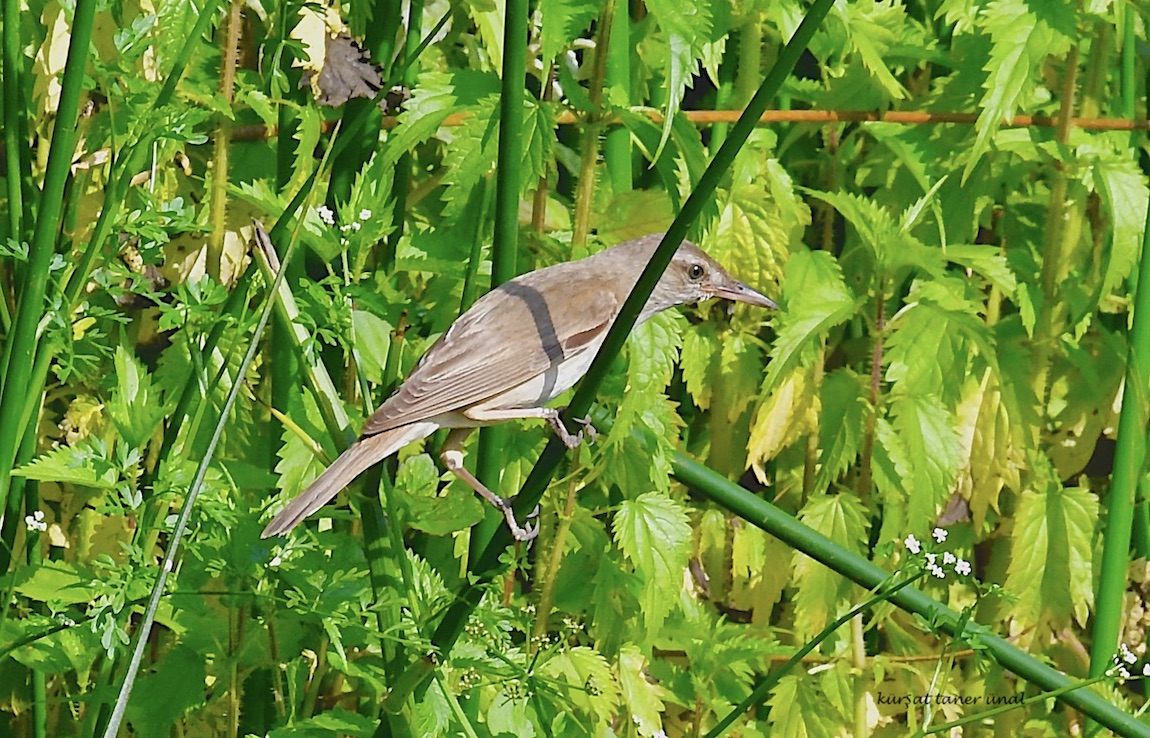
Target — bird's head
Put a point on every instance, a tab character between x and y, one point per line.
692	276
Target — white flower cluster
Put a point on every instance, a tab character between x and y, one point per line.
1124	665
35	521
960	566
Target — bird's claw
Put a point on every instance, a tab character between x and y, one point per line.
519	532
573	440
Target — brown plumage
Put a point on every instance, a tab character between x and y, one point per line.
517	348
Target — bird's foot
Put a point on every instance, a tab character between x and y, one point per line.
573	440
519	532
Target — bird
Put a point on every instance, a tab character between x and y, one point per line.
512	352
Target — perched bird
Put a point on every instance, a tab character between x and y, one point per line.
519	346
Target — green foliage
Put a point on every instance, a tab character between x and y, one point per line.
949	351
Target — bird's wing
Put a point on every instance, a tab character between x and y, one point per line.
510	336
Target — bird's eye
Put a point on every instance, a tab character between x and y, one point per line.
695	272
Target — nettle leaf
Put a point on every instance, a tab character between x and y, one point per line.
701	356
1023	36
87	463
471	154
815	299
1118	176
372	343
892	244
538	143
642	697
928	351
653	349
135	405
592	686
989	261
760	571
929	435
684	146
654	533
873	28
687	27
840	435
822	592
636	464
760	216
298	465
563	21
1051	562
789	413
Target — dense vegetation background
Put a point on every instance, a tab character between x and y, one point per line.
948	205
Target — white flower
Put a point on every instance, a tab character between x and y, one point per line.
948	558
939	535
1146	670
963	567
276	561
364	214
912	544
325	214
936	570
35	521
931	558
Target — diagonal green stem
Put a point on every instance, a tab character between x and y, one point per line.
484	567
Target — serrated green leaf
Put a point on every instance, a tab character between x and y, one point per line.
822	592
1051	562
873	27
87	464
1024	36
815	299
653	349
372	343
686	28
929	348
800	710
654	533
471	155
57	582
135	405
928	433
987	261
642	697
593	687
840	435
563	21
1120	179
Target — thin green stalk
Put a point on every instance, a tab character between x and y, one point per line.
585	189
505	237
484	567
21	344
16	147
218	207
1129	80
403	168
617	143
1129	466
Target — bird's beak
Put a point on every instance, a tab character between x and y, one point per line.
733	289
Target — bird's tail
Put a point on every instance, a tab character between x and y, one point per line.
350	464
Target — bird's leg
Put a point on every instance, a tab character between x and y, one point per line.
550	414
452	455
